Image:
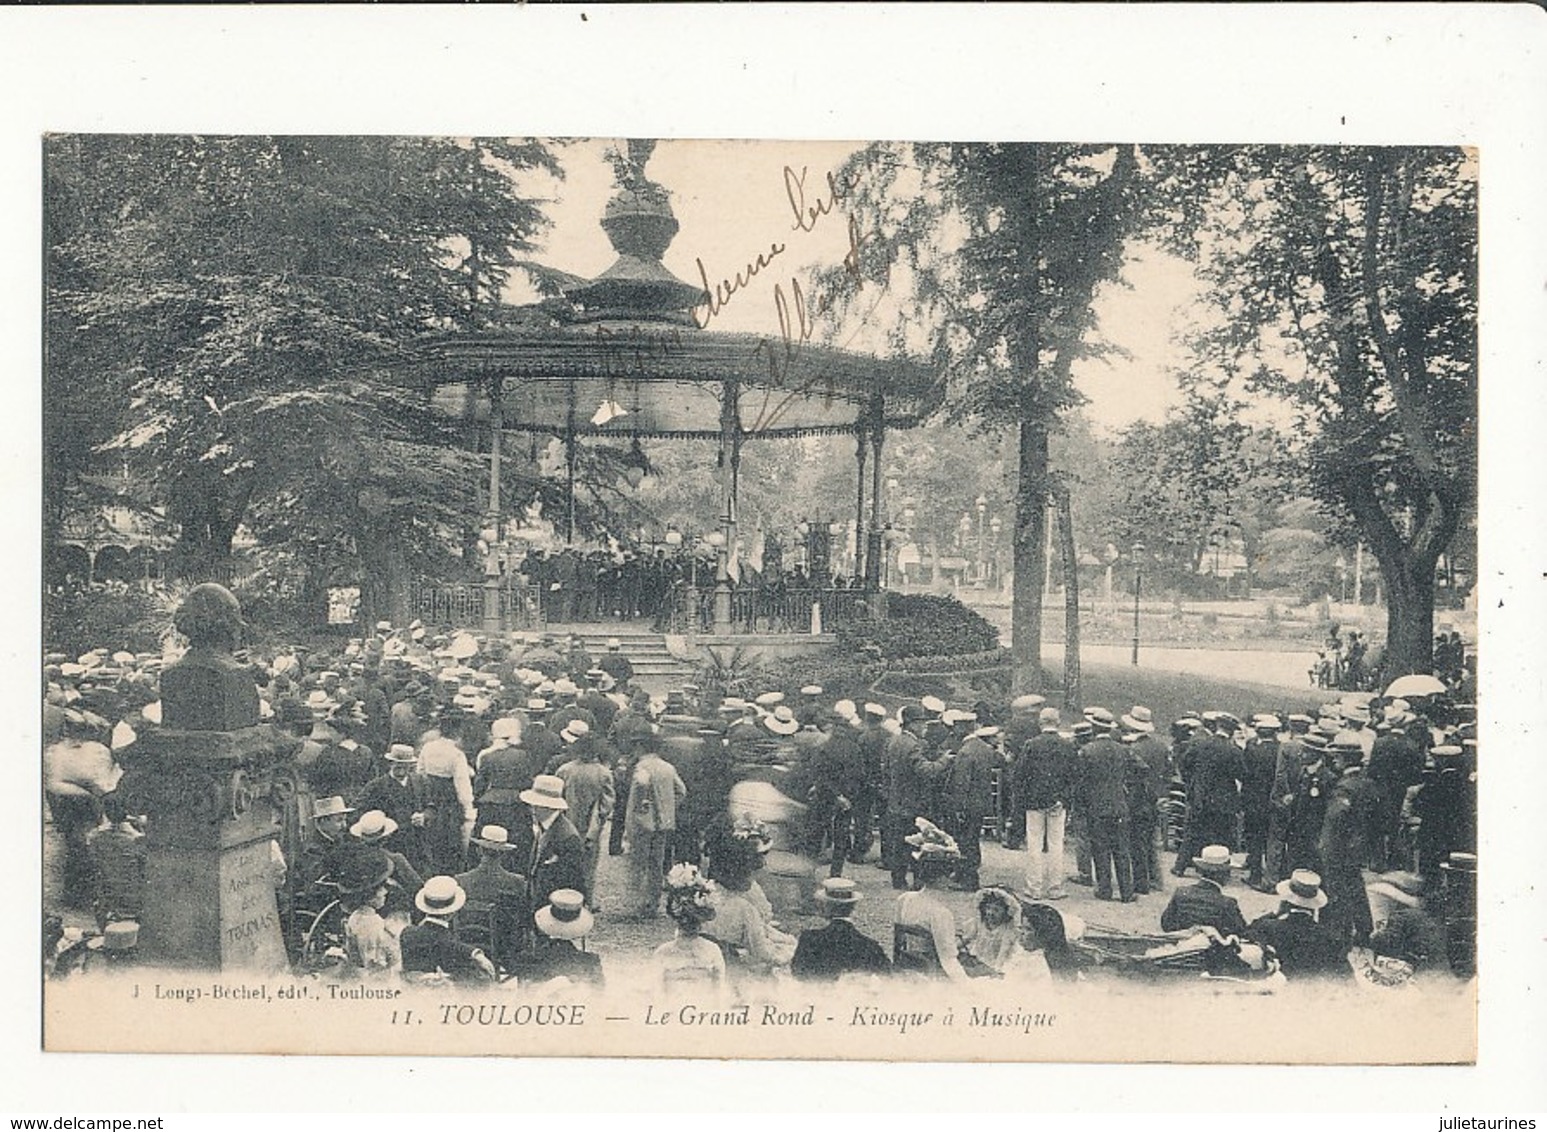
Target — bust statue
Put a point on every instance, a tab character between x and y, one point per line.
207	690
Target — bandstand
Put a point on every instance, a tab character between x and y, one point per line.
623	358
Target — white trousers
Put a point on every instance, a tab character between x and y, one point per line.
1045	866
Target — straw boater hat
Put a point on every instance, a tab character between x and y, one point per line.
574	730
565	916
875	710
1302	889
330	807
812	690
1101	719
782	721
401	753
547	791
373	825
769	699
505	727
1266	722
440	896
1139	718
1215	858
934	705
839	892
1030	701
495	837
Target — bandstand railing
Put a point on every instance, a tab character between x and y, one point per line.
460	604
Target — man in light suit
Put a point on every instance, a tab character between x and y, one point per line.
649	822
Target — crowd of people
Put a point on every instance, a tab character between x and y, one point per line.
575	585
459	793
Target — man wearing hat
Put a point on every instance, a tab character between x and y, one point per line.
431	945
1259	765
1021	728
1044	774
1103	797
562	925
1446	808
591	794
823	955
969	792
1347	844
376	830
1151	777
870	804
654	791
505	768
1292	760
1305	948
615	664
1205	903
1395	765
914	771
494	883
555	851
313	871
1213	789
1309	793
399	794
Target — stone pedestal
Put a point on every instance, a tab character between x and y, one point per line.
213	801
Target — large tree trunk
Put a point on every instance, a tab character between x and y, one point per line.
1073	694
1030	549
1409	614
383	576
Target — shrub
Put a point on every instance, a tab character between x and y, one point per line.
841	674
920	625
106	615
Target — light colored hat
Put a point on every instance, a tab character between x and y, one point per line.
1048	718
462	646
495	837
988	731
536	705
1267	722
565	687
575	729
373	825
547	791
1027	701
613	644
1303	889
875	710
505	727
320	702
565	916
401	753
932	704
330	807
1140	718
952	716
847	709
732	705
840	891
811	690
384	626
1213	857
931	842
121	935
769	699
440	896
123	735
782	721
1101	718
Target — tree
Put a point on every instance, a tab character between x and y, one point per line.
1001	248
1348	283
234	306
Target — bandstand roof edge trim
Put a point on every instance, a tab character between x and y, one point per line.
668	380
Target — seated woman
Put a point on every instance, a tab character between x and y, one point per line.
920	916
689	960
369	942
993	942
743	916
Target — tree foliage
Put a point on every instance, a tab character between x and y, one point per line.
1347	281
223	313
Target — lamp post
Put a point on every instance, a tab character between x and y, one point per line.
982	506
1138	581
995	525
722	581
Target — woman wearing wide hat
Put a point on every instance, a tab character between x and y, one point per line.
689	962
370	941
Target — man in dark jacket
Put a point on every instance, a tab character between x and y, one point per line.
1103	796
1259	766
969	795
1044	778
554	851
1304	947
1446	806
1205	903
1348	840
1213	789
431	945
914	771
400	795
1149	779
1021	728
826	953
1396	763
870	804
